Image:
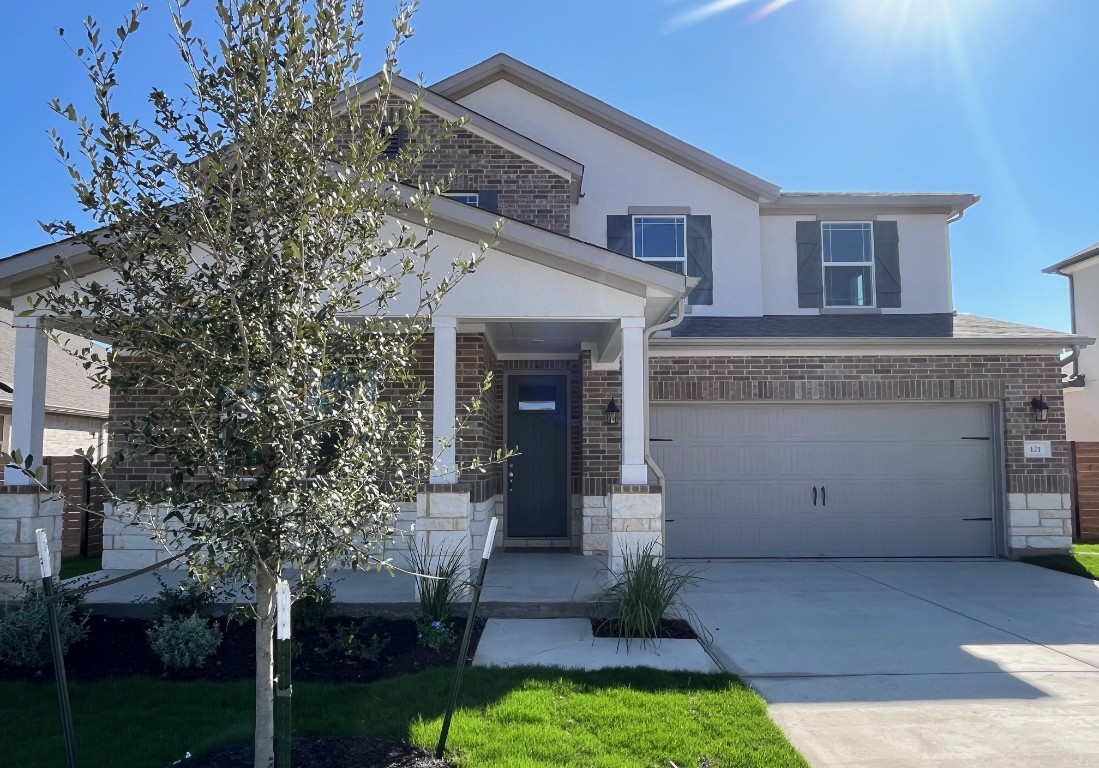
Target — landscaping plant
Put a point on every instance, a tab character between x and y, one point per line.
187	598
25	626
645	592
353	642
313	607
442	583
184	643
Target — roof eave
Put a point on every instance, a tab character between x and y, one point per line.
1079	259
1052	343
794	203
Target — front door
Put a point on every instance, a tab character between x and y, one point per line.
537	476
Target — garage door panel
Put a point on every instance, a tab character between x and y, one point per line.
900	479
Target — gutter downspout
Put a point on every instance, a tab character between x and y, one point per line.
649	333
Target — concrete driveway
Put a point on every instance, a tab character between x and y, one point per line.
905	663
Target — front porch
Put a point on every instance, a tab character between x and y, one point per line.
517	585
568	401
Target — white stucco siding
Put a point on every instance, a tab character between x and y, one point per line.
925	264
1082	403
619	173
506	286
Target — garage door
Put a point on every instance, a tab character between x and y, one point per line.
814	480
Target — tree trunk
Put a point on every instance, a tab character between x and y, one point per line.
265	687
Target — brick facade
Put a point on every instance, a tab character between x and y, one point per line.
527	191
602	442
1010	379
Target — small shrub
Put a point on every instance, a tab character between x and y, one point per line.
442	584
353	643
645	592
25	627
181	602
312	608
434	634
184	643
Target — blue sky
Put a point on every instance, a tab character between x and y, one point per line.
996	97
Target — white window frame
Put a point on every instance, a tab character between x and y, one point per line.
469	198
825	264
660	259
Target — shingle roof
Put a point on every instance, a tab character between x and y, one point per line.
68	389
958	326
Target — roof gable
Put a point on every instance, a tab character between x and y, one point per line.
504	67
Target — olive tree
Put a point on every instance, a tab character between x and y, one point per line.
258	230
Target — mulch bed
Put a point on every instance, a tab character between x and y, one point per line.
117	647
670	629
350	752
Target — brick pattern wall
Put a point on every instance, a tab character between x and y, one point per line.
1011	379
527	191
480	435
1086	491
602	443
126	406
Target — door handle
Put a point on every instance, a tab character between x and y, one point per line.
814	495
823	497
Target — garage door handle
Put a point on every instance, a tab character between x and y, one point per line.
814	495
823	497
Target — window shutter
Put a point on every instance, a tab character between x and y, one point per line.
700	259
488	199
620	235
887	264
810	265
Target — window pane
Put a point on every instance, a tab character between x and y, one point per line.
849	286
537	405
469	198
847	242
659	237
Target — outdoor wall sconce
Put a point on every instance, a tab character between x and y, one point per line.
1040	408
612	412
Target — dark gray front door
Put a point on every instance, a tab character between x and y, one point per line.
537	477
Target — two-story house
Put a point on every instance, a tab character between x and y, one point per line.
685	353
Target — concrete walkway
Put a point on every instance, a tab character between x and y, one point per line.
876	663
569	643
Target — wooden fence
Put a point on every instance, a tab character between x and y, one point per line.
1085	491
82	529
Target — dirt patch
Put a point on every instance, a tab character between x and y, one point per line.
358	751
117	647
670	629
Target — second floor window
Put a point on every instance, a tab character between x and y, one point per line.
661	239
469	198
848	263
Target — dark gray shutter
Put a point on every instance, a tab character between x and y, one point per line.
810	265
489	199
620	234
887	264
700	259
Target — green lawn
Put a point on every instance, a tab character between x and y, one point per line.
1083	561
513	717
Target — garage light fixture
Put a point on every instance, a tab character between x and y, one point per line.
612	412
1040	408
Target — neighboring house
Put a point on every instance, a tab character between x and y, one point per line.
1082	388
75	411
685	353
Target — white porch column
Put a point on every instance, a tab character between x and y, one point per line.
634	471
444	397
28	412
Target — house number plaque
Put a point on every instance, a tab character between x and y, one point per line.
1037	449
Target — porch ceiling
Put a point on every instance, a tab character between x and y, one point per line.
545	337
